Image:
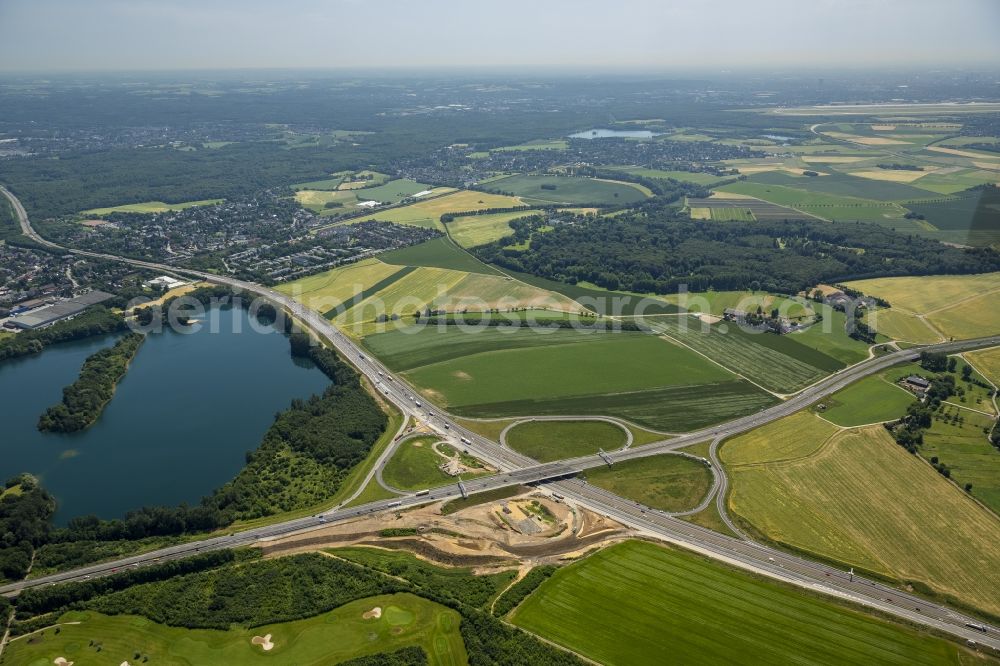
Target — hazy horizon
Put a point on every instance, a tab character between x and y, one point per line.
352	35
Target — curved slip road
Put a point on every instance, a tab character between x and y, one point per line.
516	469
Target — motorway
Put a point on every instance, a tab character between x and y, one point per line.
515	468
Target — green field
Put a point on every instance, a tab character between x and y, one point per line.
672	409
569	190
858	498
316	198
873	399
776	362
666	482
554	440
596	364
148	207
962	445
415	466
427	212
601	301
716	302
841	184
473	230
683	176
438	253
732	215
830	337
828	206
637	603
537	144
324	639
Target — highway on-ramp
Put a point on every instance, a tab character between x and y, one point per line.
515	468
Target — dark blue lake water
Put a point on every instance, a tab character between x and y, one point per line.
179	425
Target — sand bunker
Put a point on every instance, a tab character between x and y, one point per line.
124	663
61	661
709	318
263	641
373	614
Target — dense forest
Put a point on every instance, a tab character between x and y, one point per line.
85	399
26	510
654	250
95	320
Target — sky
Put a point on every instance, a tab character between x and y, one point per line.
69	35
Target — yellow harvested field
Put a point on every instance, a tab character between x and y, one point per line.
923	294
478	292
580	211
976	317
325	291
403	297
701	213
962	153
989	166
781	440
831	159
354	185
987	362
750	169
729	195
883	128
891	175
903	326
428	212
861	499
473	230
318	198
866	140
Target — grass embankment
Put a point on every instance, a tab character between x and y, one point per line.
637	603
665	482
858	498
554	440
416	466
84	400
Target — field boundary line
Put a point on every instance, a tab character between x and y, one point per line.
781	462
780	396
960	301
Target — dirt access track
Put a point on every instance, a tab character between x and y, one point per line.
477	536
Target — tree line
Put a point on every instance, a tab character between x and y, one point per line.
655	250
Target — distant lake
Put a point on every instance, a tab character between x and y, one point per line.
179	425
611	134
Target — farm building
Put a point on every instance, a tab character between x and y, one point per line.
916	384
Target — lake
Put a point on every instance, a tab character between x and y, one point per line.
612	134
181	421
